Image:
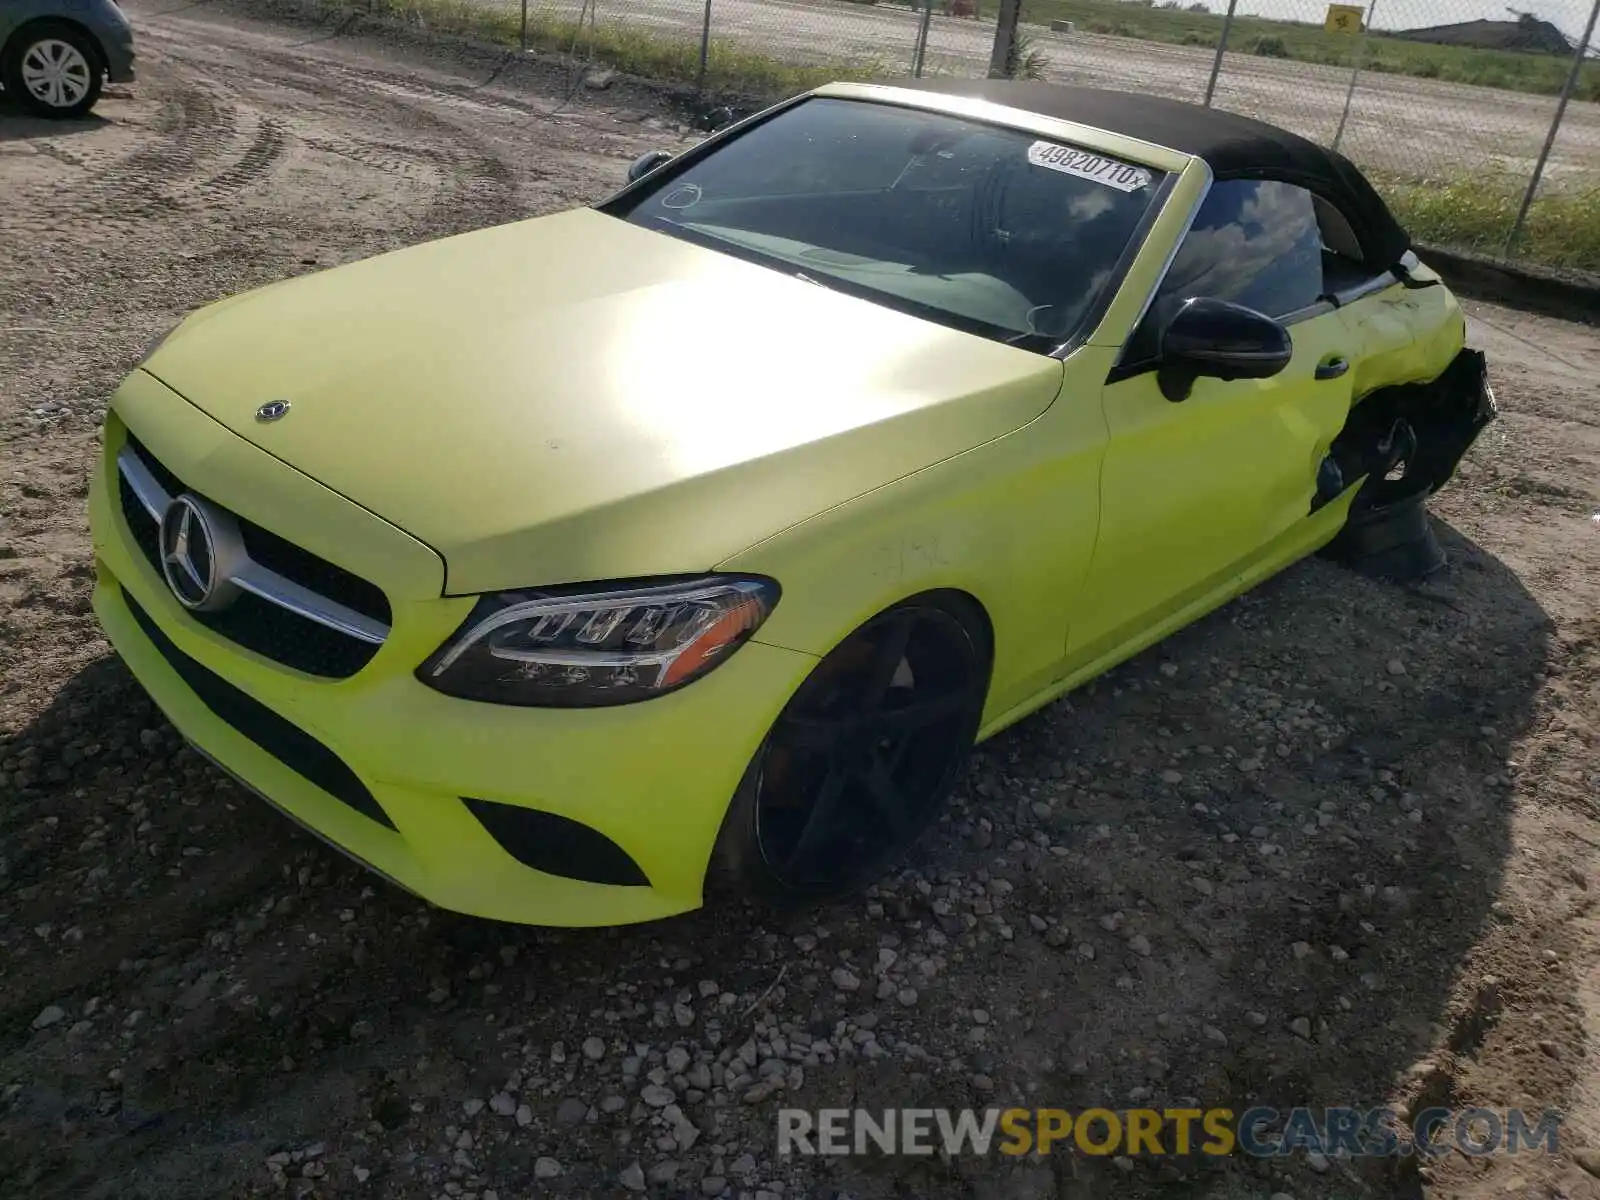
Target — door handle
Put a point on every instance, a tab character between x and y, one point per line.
1332	367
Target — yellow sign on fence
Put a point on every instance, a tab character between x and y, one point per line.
1344	18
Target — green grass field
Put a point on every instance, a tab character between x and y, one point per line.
1563	227
1537	73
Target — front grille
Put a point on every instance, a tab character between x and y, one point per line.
286	742
267	628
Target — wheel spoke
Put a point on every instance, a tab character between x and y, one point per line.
887	661
807	733
920	714
828	733
887	799
819	822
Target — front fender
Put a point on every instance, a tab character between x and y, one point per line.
1012	523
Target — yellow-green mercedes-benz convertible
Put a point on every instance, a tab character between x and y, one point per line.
567	571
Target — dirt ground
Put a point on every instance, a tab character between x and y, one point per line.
1333	845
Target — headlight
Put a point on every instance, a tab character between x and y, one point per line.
579	648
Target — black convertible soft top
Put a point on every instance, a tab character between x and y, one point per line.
1236	147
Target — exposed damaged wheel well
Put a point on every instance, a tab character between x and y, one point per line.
1407	440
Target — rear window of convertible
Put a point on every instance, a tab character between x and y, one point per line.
987	229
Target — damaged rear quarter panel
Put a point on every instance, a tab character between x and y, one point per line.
1403	335
1414	370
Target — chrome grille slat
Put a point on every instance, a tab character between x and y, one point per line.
251	576
143	482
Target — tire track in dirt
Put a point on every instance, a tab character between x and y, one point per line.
474	180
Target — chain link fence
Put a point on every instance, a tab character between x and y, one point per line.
1481	124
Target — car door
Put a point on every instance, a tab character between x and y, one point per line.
1196	493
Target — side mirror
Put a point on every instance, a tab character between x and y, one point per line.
645	163
1219	340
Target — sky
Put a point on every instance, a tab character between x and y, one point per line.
1568	16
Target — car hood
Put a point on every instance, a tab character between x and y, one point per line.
573	398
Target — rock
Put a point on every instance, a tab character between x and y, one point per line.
657	1095
761	1091
198	992
472	1107
1140	945
502	1105
546	1168
524	1116
1301	1027
599	80
1317	1161
845	980
677	1060
632	1177
1589	1160
1255	1020
51	1014
665	1172
1171	778
713	1185
1395	667
362	1174
1300	949
594	1049
571	1111
1214	1035
685	1133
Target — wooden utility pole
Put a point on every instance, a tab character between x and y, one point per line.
1005	37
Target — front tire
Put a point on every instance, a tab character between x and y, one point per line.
53	69
861	760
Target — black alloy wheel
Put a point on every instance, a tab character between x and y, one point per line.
861	759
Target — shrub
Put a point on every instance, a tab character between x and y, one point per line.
1270	46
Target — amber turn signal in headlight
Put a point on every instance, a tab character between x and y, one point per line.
598	645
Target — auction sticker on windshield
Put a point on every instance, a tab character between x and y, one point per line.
1084	165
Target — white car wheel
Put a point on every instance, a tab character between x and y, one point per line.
56	73
54	69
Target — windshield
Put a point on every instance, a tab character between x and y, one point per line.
987	229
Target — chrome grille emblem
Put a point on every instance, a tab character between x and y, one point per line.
198	545
272	410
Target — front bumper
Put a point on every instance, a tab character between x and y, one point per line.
654	778
117	46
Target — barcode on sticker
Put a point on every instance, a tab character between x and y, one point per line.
1085	165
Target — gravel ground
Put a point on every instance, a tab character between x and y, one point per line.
1332	845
